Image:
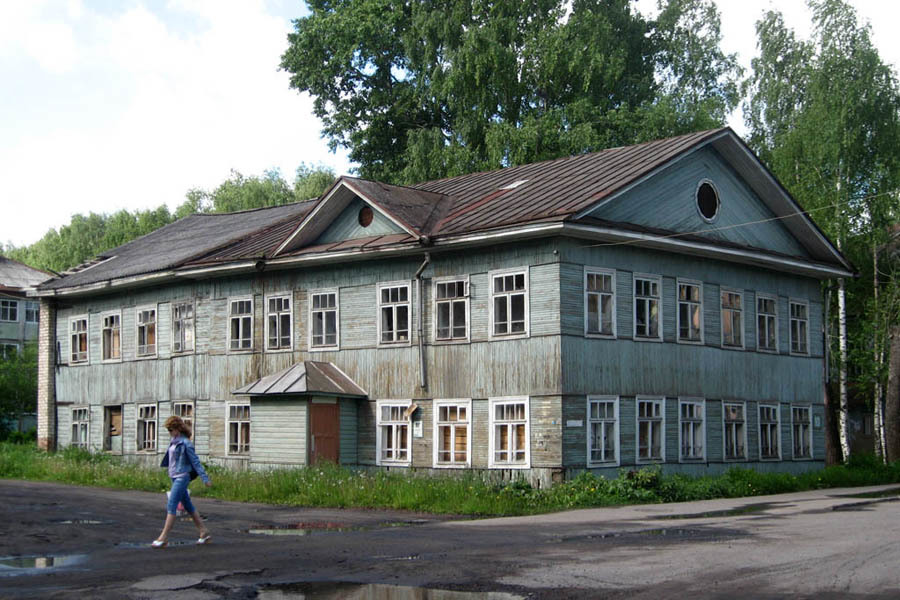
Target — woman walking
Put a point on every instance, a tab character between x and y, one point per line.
183	466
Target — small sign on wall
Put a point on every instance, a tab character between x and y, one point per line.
417	429
574	423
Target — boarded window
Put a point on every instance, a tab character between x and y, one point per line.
112	338
146	332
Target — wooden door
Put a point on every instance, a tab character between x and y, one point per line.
324	432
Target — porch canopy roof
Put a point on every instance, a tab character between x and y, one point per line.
305	378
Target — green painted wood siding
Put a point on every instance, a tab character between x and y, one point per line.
349	424
346	226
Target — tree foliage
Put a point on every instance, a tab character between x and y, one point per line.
18	385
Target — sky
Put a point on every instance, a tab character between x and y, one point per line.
128	104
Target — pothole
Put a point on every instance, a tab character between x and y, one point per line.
891	492
329	591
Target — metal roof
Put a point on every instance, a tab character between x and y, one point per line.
306	378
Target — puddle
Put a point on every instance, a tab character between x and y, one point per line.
48	561
880	494
355	591
147	544
864	504
731	512
77	522
314	527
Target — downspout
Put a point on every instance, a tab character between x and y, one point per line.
420	320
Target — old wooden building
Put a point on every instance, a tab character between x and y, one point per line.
652	304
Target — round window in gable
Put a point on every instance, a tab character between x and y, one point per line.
707	200
365	216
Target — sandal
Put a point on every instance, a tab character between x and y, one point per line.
204	539
159	543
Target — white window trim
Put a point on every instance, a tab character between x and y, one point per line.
637	420
718	200
587	422
774	298
777	408
600	271
410	303
19	309
492	464
436	404
137	420
746	456
290	296
659	300
228	406
724	346
137	326
103	316
378	434
337	319
790	329
702	402
193	406
228	317
5	345
87	331
36	308
434	309
699	342
193	304
87	440
500	272
811	445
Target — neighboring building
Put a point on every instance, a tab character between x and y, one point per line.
18	314
653	304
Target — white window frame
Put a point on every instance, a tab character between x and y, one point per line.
437	424
410	324
8	349
35	309
137	331
774	316
791	319
611	273
86	444
190	419
492	404
589	421
435	302
337	319
103	317
657	279
290	314
380	424
7	306
725	456
508	294
140	428
178	336
240	317
777	410
229	421
794	424
661	401
696	402
87	339
741	312
679	302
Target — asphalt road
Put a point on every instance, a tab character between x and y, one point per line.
825	544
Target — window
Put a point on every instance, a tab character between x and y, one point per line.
801	426
240	324
32	312
509	433
692	433
646	307
603	430
146	428
78	327
452	433
8	350
769	433
80	427
732	325
185	410
112	427
599	302
509	304
278	323
9	310
238	428
451	309
799	327
690	312
146	331
111	340
183	327
735	431
650	427
393	433
323	314
393	314
766	325
707	201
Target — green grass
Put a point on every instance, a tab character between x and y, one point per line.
332	486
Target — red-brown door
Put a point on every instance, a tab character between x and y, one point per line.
324	430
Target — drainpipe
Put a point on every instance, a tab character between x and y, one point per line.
420	319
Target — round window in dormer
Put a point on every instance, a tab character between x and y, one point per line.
365	216
707	200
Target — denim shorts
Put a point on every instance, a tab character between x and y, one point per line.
179	494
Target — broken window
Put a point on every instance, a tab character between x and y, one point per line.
78	328
80	427
766	326
799	328
112	424
146	332
452	433
603	429
801	424
451	308
735	431
111	340
146	428
183	327
393	433
650	422
732	324
599	301
509	428
393	309
646	307
278	323
768	432
240	328
324	319
238	428
690	312
693	433
509	293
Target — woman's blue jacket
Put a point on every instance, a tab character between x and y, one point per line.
186	460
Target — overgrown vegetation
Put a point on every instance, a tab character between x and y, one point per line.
18	387
333	486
